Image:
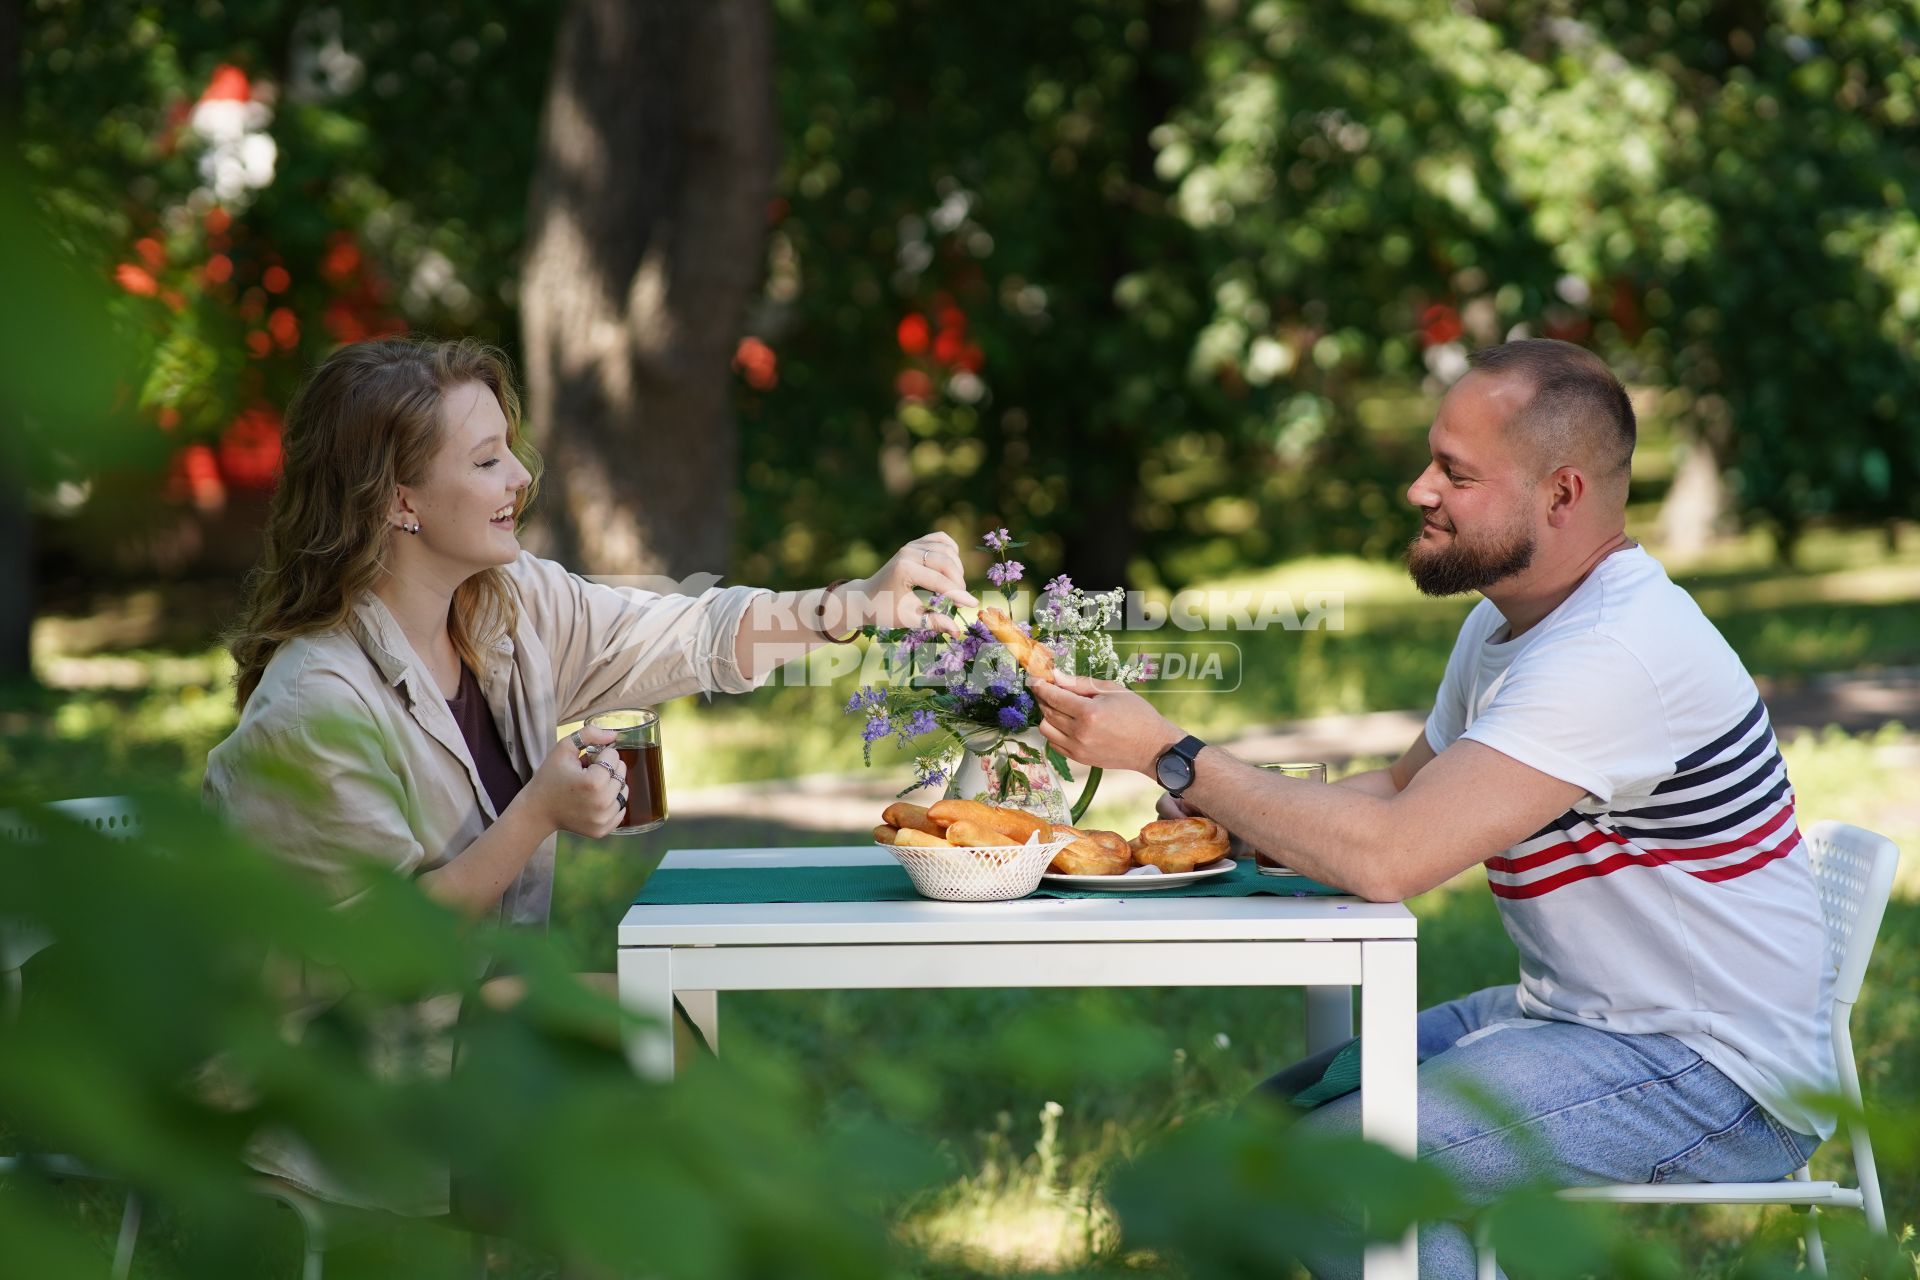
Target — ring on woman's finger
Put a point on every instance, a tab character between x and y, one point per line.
608	766
578	744
621	799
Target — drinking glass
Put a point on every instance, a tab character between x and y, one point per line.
638	742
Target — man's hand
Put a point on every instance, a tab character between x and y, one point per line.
1103	723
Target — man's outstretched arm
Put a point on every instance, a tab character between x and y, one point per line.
1464	805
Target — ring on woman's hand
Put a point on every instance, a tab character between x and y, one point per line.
608	766
924	553
621	799
578	745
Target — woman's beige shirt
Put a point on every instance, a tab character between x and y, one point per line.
346	752
356	712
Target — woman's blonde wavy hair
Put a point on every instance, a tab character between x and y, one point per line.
366	421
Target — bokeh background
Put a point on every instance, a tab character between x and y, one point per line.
1169	287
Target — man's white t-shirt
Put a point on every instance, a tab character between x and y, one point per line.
1676	895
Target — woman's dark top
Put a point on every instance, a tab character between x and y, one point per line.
475	718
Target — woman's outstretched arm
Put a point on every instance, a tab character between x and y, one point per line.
781	627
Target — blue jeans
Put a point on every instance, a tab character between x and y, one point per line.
1558	1104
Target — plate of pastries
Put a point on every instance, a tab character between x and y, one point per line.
1164	854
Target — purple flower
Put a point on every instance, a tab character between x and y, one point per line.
920	722
869	696
1060	586
997	540
937	602
1004	572
877	727
908	643
998	690
1012	718
1024	702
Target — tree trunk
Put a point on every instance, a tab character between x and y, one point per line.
16	518
1100	546
646	232
1694	510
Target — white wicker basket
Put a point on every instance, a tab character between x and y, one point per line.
986	873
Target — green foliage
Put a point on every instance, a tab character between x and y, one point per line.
1173	283
1204	266
400	144
152	1045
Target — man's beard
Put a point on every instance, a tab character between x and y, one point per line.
1462	566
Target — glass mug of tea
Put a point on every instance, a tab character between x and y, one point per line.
637	739
1306	771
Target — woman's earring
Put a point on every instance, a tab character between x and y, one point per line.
412	528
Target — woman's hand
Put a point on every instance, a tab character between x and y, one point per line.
887	599
581	786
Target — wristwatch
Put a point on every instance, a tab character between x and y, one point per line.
1174	768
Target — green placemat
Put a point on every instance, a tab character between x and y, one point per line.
889	883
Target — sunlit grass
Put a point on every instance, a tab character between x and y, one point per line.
1019	1212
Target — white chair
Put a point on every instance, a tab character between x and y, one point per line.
1853	869
116	818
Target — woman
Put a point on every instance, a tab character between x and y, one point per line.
401	651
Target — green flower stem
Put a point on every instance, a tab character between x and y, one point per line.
1086	795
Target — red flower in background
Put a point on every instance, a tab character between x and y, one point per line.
913	384
136	280
250	454
342	259
756	362
228	84
1440	324
195	477
912	334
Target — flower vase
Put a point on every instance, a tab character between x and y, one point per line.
1011	771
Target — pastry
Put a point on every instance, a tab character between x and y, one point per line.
885	834
901	814
1180	844
1017	824
976	835
1033	656
908	838
1092	853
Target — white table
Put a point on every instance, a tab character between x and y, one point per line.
689	954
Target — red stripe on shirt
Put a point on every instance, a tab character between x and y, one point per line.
1642	858
1553	853
1754	863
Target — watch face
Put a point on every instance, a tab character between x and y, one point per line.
1173	771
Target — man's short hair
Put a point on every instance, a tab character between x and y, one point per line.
1579	414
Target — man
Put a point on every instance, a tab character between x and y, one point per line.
1597	745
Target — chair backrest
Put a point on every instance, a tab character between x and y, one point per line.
1853	869
112	816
